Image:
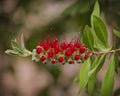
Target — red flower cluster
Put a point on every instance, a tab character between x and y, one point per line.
51	50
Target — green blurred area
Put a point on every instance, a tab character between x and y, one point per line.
37	20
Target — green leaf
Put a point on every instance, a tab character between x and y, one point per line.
95	67
96	12
117	33
19	50
16	46
116	62
91	84
22	42
92	77
97	64
100	31
108	82
12	52
88	38
83	75
100	45
97	41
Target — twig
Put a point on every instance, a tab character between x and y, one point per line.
106	52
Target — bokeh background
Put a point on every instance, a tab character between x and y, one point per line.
38	19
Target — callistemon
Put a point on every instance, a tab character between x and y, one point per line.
64	52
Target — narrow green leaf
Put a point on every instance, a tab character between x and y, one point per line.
11	52
108	82
117	33
116	62
26	53
101	62
92	77
16	46
95	67
91	84
100	45
83	75
97	64
88	38
97	42
22	42
96	12
100	30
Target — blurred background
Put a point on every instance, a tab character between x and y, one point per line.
38	19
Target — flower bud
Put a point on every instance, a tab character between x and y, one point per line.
43	58
38	50
53	61
60	59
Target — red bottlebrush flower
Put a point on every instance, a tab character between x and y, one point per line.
53	61
38	50
50	54
77	57
42	58
68	53
86	56
63	45
61	51
82	49
60	59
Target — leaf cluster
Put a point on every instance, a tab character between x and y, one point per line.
96	38
18	49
